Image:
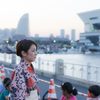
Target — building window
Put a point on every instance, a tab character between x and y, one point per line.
93	39
96	26
93	18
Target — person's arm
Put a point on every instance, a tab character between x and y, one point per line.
18	86
5	94
6	97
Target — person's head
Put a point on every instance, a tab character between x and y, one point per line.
6	80
94	91
8	85
26	49
68	89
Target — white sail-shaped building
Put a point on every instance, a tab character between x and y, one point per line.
23	26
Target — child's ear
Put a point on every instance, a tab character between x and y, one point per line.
65	91
91	95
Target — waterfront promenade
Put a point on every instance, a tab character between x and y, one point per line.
81	76
43	86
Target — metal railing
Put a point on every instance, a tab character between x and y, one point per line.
83	72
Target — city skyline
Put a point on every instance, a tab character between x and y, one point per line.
46	17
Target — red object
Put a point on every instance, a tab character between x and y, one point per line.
52	92
30	82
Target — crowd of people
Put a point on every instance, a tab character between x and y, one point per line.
23	84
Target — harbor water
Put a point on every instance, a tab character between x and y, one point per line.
83	59
75	65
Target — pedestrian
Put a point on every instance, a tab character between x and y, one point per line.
24	84
68	91
2	85
94	91
5	94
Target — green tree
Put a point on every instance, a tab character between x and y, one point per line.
37	41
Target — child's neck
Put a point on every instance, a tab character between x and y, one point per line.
95	98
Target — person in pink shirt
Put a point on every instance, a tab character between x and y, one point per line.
68	91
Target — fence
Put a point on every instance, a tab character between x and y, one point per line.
86	73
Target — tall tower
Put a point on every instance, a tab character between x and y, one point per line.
67	37
73	35
23	26
62	33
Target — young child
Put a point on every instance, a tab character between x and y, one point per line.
5	94
68	91
94	91
2	85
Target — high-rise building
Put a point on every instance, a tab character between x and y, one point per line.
23	26
13	31
73	35
67	37
1	31
51	36
7	33
62	33
57	36
36	35
91	36
1	35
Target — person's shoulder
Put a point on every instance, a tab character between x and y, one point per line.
5	92
73	98
63	97
18	68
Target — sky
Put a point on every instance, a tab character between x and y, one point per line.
46	16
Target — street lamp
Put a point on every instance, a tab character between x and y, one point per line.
54	41
7	41
16	42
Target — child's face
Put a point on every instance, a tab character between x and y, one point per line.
63	92
92	95
8	88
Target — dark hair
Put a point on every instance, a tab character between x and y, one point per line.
95	89
69	88
6	80
8	83
24	45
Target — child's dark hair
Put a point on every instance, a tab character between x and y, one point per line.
95	89
8	83
6	80
69	88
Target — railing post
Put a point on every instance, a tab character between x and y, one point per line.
48	65
5	57
81	72
96	74
39	61
88	71
59	67
73	70
13	58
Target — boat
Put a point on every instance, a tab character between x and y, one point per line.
74	51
